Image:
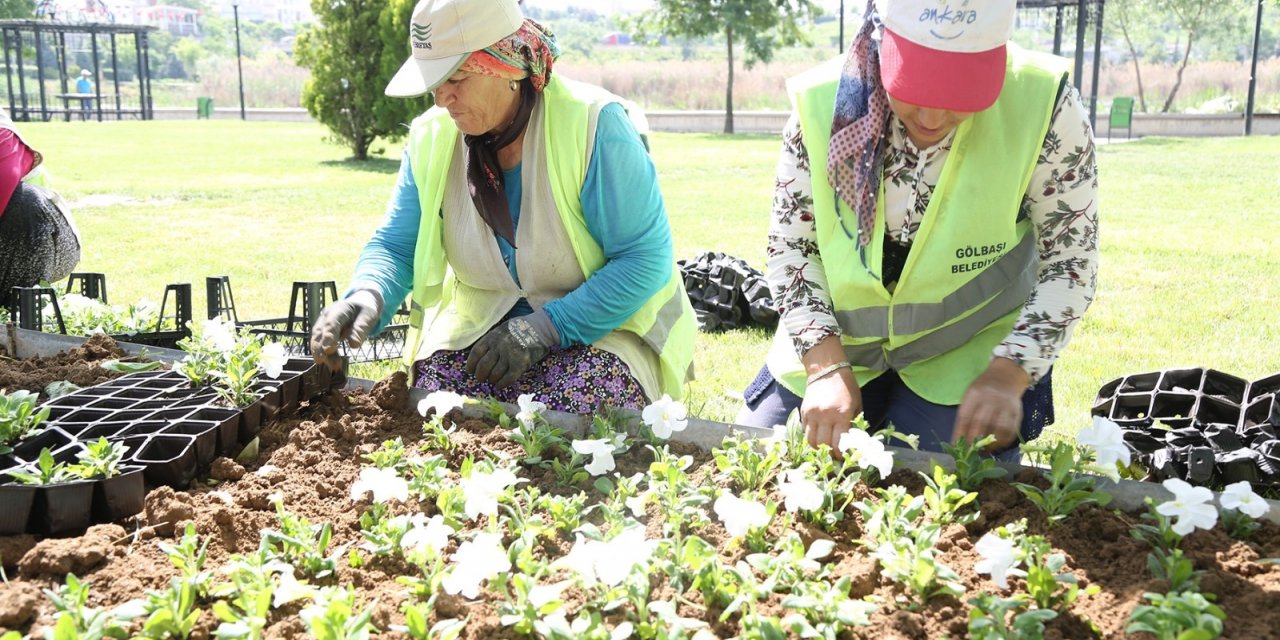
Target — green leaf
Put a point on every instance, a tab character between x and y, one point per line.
120	366
249	453
59	388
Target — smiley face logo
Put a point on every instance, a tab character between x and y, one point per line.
948	22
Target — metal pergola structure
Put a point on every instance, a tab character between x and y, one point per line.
1084	10
18	36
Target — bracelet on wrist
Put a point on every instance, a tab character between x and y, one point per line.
826	371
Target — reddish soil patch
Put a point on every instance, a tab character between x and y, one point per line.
312	458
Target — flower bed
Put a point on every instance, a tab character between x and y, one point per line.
551	563
677	543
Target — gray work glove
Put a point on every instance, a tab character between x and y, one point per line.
350	319
509	349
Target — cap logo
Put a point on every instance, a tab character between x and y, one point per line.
947	16
420	36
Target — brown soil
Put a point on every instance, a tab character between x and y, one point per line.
313	457
79	366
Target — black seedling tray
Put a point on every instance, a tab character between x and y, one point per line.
172	431
1198	424
26	307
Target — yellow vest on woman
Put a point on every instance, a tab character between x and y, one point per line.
462	288
973	263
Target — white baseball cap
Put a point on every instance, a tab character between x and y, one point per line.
443	33
945	54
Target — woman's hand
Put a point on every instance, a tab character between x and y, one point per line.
993	405
829	407
833	399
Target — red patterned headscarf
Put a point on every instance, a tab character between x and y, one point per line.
527	53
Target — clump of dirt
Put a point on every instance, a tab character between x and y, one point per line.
57	557
79	366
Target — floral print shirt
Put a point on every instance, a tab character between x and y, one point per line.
1061	202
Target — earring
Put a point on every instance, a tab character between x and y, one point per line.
515	86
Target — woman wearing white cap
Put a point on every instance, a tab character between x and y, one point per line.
527	225
934	239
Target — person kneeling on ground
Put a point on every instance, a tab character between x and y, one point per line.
38	239
935	233
526	223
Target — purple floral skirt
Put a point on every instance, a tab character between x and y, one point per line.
578	380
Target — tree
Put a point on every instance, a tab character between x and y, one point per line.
345	53
15	9
1145	23
394	114
762	25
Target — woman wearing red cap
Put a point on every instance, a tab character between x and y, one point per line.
527	226
934	240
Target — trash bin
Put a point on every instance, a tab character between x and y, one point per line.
204	107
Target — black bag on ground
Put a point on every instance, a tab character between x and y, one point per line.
727	293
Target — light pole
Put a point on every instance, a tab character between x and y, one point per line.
235	10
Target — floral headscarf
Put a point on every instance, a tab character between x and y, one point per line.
858	128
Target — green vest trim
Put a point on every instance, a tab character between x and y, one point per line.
973	263
665	323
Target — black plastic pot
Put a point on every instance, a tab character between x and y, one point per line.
112	402
204	438
63	508
85	417
1181	380
119	496
16	501
1224	386
1142	382
270	399
1213	408
1132	406
1173	408
227	424
110	430
51	438
136	394
168	459
250	421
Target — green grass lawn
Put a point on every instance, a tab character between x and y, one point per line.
1190	273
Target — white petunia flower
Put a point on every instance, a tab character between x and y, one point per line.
290	589
1240	496
635	504
272	359
665	416
738	515
601	452
476	560
426	533
221	334
799	492
385	484
1192	506
441	401
998	558
481	491
545	594
1106	438
529	409
871	451
608	562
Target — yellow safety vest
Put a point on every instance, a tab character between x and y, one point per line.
973	262
665	323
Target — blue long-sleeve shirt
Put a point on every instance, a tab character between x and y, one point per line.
624	213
